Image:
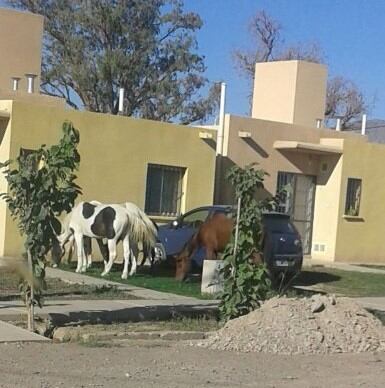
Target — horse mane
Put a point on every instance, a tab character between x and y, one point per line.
142	228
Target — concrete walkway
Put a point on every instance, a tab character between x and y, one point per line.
145	304
138	292
308	263
11	333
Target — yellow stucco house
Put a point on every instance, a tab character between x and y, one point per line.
338	186
337	200
163	168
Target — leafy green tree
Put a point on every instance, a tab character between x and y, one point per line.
40	187
92	48
245	283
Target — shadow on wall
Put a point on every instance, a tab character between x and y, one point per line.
211	143
3	127
225	194
256	147
320	166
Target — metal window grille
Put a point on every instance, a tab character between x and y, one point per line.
353	197
286	180
164	189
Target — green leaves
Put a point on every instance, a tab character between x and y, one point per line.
148	47
245	283
40	187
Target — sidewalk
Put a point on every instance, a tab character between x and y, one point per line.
145	305
10	333
308	263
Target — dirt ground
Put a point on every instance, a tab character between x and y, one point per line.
166	364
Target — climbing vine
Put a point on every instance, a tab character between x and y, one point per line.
245	283
41	185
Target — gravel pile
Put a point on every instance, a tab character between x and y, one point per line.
320	324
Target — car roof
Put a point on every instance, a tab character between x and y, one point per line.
227	207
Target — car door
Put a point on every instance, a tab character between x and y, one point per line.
176	236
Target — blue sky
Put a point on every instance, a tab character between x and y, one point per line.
350	32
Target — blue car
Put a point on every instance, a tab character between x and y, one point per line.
281	242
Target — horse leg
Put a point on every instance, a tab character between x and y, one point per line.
111	256
104	250
80	251
71	248
88	250
126	254
133	263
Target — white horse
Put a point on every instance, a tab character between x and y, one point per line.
112	222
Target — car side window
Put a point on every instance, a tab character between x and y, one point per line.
195	219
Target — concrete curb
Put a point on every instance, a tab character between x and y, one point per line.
69	334
108	311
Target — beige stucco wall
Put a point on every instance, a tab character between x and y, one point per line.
341	239
361	239
114	154
327	205
259	148
20	47
289	91
5	146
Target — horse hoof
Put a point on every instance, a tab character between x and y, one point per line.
124	276
103	274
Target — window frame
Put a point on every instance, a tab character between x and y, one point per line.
353	185
179	190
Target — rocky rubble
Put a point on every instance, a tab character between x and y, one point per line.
320	324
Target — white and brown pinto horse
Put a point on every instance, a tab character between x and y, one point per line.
106	221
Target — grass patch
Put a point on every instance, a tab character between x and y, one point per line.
162	280
345	283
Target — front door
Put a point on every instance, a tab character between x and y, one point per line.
299	203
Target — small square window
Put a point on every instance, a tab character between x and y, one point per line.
164	189
353	197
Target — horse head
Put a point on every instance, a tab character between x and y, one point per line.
183	264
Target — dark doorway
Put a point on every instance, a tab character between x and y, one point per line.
299	203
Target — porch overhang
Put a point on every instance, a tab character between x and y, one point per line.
4	114
307	148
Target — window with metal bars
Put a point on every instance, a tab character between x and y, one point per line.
285	180
353	197
164	189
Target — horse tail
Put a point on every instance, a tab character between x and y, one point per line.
66	231
141	228
190	246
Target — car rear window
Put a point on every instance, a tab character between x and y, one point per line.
279	225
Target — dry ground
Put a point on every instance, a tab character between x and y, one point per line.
163	364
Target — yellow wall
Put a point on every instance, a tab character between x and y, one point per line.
289	91
361	239
259	148
114	154
5	145
355	239
326	206
20	47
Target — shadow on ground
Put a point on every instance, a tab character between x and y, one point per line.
311	278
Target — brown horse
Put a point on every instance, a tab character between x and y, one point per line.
214	234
